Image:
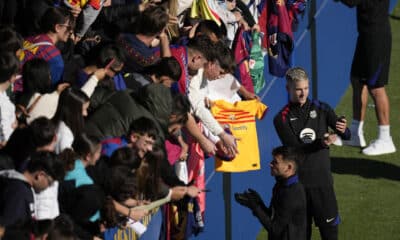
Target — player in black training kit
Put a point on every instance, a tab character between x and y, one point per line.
304	123
286	216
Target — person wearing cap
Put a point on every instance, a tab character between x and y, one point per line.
304	123
286	216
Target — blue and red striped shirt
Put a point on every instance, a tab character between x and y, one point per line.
41	46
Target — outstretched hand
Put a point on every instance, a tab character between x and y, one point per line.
249	198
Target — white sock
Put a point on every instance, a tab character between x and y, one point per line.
357	127
384	132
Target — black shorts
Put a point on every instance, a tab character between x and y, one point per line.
322	206
371	59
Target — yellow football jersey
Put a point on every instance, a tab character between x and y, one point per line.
240	117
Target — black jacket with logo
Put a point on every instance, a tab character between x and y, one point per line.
305	127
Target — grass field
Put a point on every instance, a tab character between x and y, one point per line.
368	188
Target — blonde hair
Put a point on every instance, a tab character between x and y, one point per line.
296	74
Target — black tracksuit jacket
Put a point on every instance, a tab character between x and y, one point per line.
286	217
315	170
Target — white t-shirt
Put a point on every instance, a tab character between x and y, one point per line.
65	137
46	203
7	115
196	97
224	88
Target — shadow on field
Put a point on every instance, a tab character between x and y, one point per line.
366	168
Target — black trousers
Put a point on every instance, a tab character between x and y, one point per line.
323	209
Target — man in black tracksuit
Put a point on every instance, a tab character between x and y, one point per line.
285	219
304	123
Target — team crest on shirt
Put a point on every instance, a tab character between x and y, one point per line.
307	135
232	117
313	114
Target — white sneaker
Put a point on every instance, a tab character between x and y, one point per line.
379	147
356	140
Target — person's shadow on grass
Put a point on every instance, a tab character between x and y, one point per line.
366	168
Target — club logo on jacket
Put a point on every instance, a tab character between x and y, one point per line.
313	114
307	135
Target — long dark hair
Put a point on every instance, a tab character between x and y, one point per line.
36	79
122	187
69	109
125	156
147	170
148	173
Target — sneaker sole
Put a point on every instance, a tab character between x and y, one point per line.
376	154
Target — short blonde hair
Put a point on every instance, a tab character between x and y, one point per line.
296	74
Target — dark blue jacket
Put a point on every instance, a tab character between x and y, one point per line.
285	219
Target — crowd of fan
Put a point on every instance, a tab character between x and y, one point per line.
90	93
